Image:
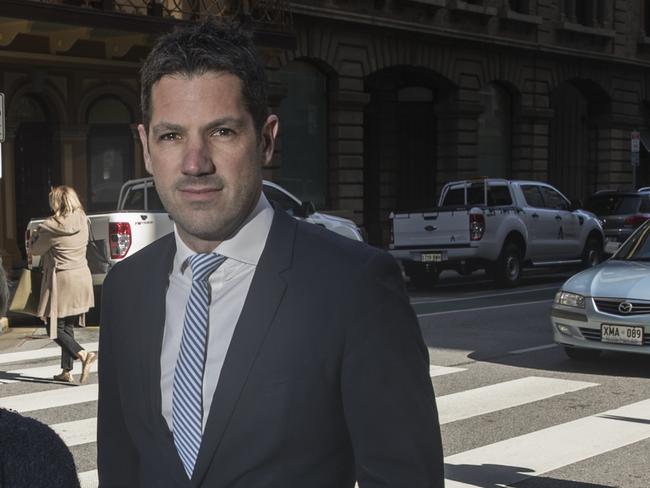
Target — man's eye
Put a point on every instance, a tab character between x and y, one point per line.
223	132
169	136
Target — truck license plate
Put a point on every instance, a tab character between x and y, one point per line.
622	334
433	257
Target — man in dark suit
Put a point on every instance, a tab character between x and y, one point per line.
248	349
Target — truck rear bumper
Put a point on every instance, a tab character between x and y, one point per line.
438	256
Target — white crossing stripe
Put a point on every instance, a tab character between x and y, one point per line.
45	372
45	352
443	370
77	432
492	398
512	460
533	349
89	479
60	397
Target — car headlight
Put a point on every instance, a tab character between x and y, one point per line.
569	299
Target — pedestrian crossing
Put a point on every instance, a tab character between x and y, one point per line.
500	463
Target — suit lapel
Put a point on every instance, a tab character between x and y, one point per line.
262	301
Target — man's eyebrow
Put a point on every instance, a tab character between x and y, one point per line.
166	127
235	122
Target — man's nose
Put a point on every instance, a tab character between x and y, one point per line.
197	159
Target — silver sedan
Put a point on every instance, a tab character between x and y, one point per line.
607	308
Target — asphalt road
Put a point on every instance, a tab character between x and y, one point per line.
515	411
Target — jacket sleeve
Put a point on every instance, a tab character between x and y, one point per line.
388	398
41	241
117	458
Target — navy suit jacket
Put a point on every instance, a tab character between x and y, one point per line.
326	379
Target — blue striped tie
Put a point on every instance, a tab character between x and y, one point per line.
187	397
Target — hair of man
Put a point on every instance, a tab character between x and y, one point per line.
213	45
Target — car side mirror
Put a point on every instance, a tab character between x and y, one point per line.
306	209
575	204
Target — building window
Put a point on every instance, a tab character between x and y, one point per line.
591	13
110	152
519	6
494	132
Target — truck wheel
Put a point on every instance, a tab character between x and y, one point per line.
507	269
592	253
581	354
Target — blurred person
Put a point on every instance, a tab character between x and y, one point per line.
66	288
246	348
33	455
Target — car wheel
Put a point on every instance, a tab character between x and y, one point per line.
581	354
507	269
592	253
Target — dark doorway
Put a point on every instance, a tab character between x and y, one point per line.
37	170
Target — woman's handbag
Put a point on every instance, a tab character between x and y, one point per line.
28	292
98	263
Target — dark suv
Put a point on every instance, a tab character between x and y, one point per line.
620	213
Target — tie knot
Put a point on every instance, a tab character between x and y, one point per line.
204	264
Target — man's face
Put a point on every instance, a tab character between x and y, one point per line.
205	155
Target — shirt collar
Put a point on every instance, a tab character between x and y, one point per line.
245	246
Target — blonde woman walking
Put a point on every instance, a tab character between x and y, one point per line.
67	288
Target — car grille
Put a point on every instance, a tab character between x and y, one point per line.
594	335
611	306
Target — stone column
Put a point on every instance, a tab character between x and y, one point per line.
9	241
530	139
346	156
457	140
74	158
139	170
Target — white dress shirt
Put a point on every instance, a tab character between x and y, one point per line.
230	284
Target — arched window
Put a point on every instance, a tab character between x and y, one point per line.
110	152
494	133
303	133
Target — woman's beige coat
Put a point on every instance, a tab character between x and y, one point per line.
67	287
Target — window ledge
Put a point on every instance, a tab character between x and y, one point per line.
584	29
523	18
431	3
470	8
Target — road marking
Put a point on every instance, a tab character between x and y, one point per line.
512	460
443	370
475	297
89	479
483	308
45	352
532	349
60	397
77	432
41	372
492	398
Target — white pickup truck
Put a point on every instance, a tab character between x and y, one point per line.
140	219
497	225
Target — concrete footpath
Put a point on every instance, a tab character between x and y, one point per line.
28	333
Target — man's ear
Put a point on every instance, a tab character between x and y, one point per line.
142	132
269	133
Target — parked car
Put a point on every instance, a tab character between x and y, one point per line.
498	225
607	308
620	213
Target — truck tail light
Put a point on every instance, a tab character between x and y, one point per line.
635	220
119	236
28	241
476	226
391	230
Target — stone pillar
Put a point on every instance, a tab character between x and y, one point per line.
277	92
530	140
457	140
346	152
9	241
139	170
74	159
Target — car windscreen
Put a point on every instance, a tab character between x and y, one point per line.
135	200
637	247
608	204
497	195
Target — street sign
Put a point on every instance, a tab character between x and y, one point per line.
635	141
2	117
634	158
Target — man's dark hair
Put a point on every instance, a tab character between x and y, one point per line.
209	46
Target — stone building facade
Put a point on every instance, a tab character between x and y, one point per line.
381	101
